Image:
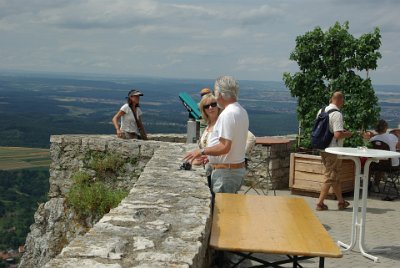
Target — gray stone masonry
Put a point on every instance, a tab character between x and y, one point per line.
165	220
274	159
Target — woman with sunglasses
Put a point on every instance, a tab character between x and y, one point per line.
130	115
210	112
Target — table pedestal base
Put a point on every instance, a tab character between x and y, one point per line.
358	222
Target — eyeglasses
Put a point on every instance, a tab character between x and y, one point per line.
213	104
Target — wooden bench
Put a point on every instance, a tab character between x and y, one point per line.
269	224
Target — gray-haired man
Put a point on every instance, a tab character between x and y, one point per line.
226	143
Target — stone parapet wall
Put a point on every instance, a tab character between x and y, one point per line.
168	137
274	159
165	220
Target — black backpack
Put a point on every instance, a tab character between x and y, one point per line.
321	136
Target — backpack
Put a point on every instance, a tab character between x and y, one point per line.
321	136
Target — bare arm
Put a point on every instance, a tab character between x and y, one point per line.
342	134
223	147
115	120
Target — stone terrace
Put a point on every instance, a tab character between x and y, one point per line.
165	220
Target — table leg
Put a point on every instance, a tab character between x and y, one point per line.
321	262
268	174
355	217
268	177
259	181
364	211
358	221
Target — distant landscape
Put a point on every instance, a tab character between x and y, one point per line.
35	106
12	158
24	183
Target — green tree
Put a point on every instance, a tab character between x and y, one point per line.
330	61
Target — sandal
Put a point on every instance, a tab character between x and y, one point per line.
321	207
343	205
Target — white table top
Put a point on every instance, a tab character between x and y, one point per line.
362	152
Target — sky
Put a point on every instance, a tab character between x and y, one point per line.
249	39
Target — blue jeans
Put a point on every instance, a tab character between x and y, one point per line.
227	180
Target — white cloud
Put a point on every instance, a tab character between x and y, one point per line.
233	32
251	39
99	14
260	15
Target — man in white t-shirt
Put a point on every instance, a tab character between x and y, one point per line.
227	142
331	162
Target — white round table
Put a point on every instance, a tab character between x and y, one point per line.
354	154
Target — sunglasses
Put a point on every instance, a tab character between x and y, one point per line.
213	104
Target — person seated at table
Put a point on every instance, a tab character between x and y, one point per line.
396	132
250	142
391	140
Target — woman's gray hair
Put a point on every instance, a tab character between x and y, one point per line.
227	86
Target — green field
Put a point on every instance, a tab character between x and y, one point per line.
12	158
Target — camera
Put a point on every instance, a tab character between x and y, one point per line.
186	166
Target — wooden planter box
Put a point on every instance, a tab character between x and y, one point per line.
307	173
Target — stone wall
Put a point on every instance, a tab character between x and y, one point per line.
163	222
274	159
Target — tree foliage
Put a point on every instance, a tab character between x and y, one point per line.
331	61
20	193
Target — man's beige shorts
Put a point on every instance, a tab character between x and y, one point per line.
332	167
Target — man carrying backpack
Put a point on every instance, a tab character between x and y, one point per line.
331	162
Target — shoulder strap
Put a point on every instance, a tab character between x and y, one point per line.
139	125
333	110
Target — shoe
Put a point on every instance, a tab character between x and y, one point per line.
387	198
343	205
376	189
321	207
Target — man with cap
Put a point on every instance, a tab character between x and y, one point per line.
205	91
130	115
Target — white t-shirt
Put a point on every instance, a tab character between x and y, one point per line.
128	122
232	124
390	140
335	124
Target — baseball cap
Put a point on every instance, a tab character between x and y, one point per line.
135	92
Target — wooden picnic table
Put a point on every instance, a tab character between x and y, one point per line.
269	224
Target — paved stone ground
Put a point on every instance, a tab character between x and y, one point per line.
382	231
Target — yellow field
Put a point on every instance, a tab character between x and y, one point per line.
22	157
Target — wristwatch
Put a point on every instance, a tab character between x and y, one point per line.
203	151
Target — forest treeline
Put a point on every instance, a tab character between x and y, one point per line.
21	191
